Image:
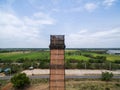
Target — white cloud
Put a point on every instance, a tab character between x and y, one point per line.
86	39
108	3
39	19
26	32
90	6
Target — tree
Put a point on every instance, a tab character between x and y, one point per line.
106	76
80	65
117	61
68	65
20	80
15	68
43	64
26	65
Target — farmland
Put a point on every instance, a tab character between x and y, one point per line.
18	55
70	54
19	60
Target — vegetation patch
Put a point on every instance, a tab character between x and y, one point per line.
20	81
76	84
92	85
74	59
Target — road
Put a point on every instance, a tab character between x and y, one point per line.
47	76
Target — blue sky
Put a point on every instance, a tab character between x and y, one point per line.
85	23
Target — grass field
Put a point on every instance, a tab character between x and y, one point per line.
77	57
109	57
46	54
29	55
92	85
113	57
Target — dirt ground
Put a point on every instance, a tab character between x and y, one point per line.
69	72
7	86
74	85
39	87
71	84
44	86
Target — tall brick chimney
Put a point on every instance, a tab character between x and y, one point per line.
57	65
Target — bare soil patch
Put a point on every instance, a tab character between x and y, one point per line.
79	72
39	87
7	86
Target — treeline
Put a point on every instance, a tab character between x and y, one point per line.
92	65
23	64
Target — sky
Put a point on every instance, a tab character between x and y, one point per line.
85	23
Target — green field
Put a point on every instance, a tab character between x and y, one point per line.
28	55
76	57
70	55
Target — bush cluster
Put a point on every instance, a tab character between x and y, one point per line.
20	80
106	76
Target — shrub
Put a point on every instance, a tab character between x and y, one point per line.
80	65
106	76
44	65
88	55
68	65
20	80
117	61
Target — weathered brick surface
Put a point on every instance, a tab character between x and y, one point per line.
57	57
54	88
55	51
57	77
57	71
57	84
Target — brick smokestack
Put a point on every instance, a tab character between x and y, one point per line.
57	63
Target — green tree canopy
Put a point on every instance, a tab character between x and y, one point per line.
20	80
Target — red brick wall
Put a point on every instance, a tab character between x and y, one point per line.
57	71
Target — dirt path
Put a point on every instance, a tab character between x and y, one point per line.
69	72
7	86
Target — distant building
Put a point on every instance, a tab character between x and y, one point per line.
115	52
